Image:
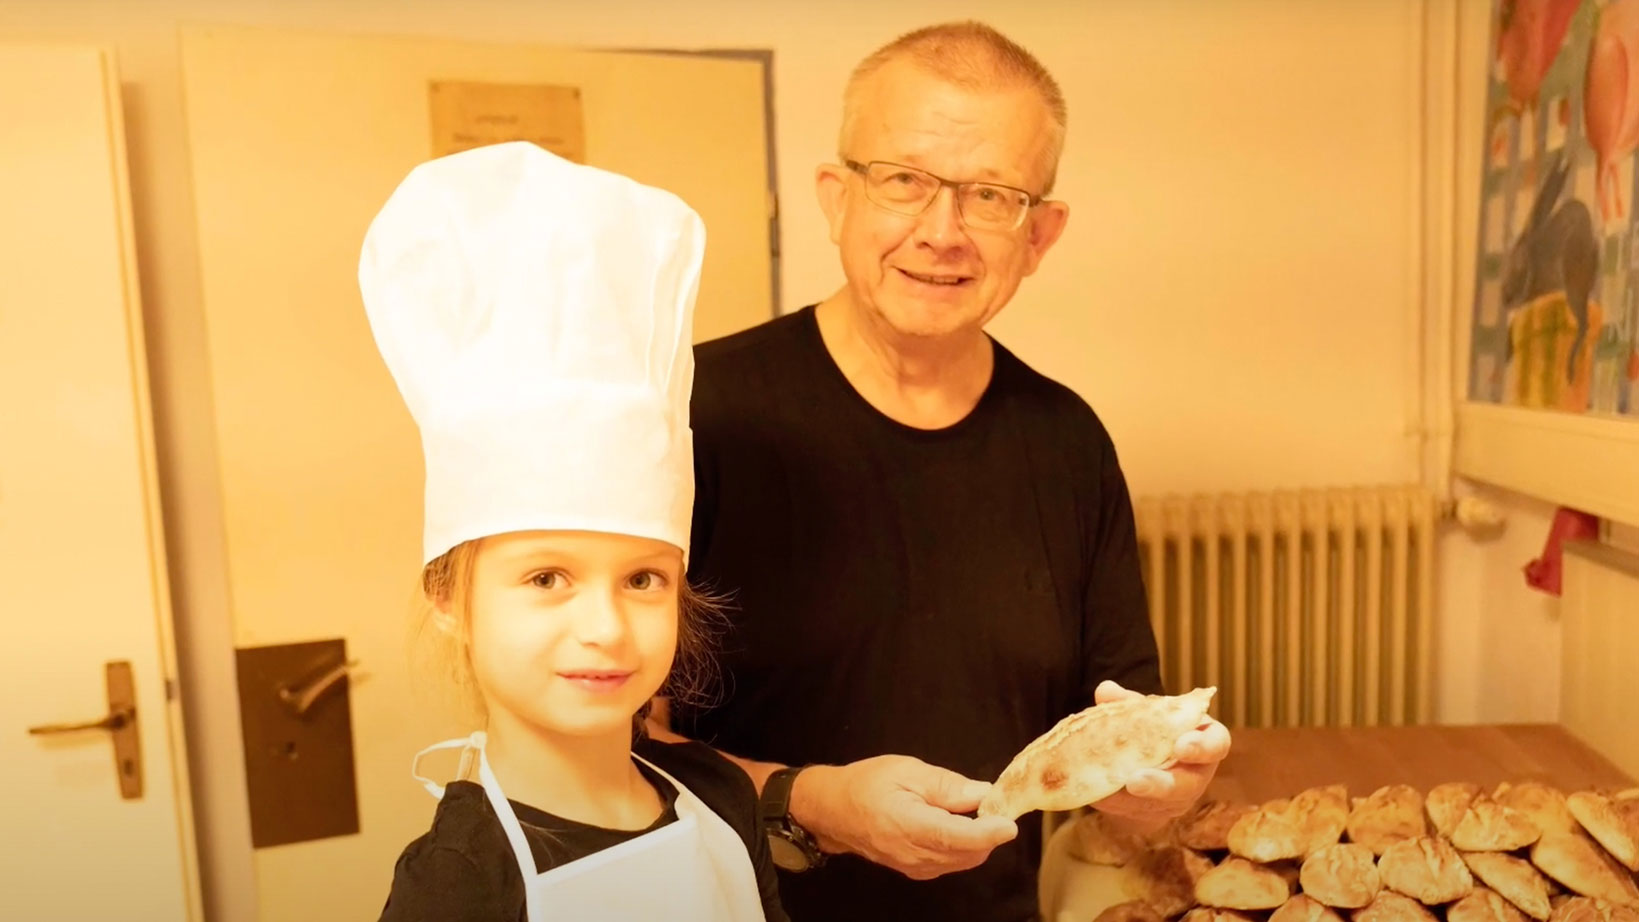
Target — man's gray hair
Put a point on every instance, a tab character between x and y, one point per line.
973	56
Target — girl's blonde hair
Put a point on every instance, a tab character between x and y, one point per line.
440	641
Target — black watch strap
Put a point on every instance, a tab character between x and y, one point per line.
776	799
793	848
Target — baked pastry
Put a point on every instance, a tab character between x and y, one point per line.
1206	827
1447	803
1240	884
1583	909
1166	878
1543	804
1514	879
1275	831
1613	823
1301	907
1584	868
1289	871
1130	911
1483	905
1213	914
1388	815
1426	869
1324	812
1489	826
1393	907
1092	754
1342	875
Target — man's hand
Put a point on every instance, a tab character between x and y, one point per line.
1152	797
896	811
899	812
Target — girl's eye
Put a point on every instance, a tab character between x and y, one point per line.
646	580
546	579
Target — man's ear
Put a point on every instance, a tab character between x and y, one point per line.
1044	226
831	187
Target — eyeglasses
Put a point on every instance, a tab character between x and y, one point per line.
909	191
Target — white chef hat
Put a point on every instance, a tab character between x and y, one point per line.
537	315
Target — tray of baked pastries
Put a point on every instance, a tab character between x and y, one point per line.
1524	852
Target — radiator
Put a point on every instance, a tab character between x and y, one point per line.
1304	608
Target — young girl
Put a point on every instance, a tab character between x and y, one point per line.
536	315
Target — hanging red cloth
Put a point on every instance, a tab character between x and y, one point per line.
1545	573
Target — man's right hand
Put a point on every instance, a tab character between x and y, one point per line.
899	812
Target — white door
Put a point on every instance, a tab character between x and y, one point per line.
90	836
296	139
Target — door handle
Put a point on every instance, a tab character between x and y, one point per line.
299	697
121	723
114	721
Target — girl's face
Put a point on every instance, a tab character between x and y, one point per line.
571	632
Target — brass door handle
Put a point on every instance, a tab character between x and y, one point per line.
121	724
115	721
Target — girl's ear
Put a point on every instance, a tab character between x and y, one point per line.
444	619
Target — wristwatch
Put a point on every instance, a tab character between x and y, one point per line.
792	847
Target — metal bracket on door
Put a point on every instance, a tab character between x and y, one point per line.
120	722
295	711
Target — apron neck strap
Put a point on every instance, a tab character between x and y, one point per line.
492	790
687	802
466	744
509	820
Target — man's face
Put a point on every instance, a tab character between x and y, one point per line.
931	275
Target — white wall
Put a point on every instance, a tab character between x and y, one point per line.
1240	172
1500	640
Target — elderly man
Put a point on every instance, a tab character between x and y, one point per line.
927	547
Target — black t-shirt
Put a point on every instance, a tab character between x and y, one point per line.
943	594
463	869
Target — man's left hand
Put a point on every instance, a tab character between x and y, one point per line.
1154	796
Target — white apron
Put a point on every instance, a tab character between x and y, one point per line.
693	870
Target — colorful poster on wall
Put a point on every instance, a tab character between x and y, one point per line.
1556	305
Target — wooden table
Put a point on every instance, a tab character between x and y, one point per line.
1264	764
